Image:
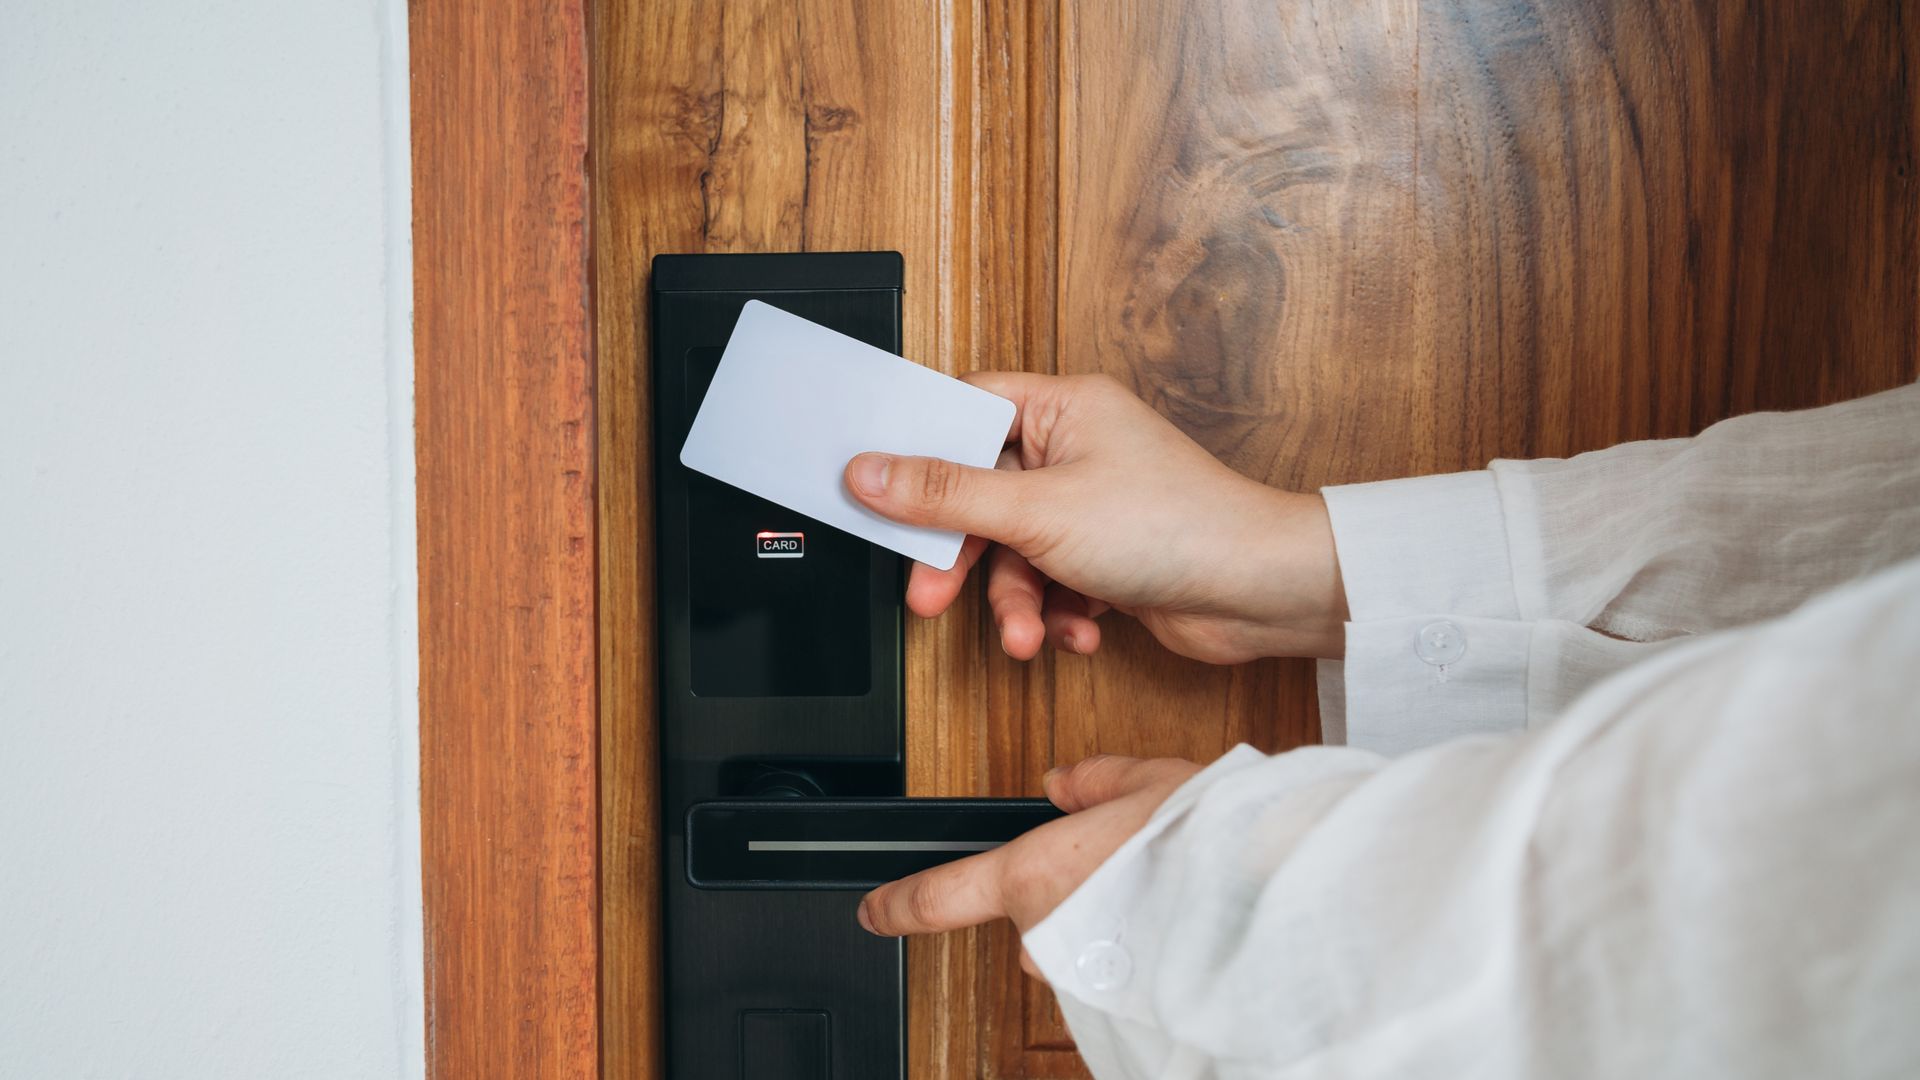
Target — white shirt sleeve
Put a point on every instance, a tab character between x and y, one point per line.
1488	601
1705	867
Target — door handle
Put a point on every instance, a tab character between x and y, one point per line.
844	843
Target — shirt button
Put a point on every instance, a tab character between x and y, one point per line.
1440	643
1104	965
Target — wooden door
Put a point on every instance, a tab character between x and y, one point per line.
1333	240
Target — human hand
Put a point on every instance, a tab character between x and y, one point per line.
1107	800
1100	502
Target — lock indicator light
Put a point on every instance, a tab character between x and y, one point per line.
780	545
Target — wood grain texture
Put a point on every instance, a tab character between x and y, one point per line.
504	444
623	225
1639	218
1332	241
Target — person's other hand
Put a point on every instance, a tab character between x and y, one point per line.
1107	799
1101	502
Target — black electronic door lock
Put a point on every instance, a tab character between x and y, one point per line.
781	721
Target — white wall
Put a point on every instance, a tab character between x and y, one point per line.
209	860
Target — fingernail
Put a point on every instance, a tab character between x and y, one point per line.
870	473
865	923
1054	773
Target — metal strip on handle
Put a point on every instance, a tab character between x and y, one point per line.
844	843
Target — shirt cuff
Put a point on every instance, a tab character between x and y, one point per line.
1432	543
1434	648
1102	973
1419	680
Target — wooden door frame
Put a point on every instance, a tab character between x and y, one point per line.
508	560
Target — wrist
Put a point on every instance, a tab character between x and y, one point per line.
1293	591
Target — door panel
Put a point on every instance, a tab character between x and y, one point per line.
1333	241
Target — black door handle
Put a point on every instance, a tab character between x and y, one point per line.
844	843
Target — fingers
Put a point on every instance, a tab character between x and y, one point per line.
1019	387
1030	610
947	897
1016	592
1105	777
931	590
1069	620
941	495
1040	400
1026	879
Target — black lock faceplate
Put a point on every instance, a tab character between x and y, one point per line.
778	676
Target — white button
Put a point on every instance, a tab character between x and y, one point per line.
1440	643
1104	965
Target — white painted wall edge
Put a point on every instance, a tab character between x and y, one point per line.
209	774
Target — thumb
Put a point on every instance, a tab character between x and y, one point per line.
938	494
1106	777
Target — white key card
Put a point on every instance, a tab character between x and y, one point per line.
793	401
